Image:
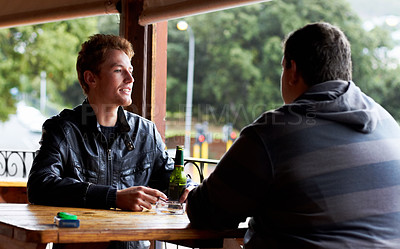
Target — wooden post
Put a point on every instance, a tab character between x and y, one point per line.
138	36
159	76
149	63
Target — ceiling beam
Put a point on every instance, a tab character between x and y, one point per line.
164	10
22	12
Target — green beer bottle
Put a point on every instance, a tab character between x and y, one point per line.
177	180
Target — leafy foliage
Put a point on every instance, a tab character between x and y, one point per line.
237	61
53	48
239	52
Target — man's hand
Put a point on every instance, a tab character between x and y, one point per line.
185	194
137	198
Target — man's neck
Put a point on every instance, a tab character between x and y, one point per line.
106	115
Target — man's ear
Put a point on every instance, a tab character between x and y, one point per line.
89	78
298	80
294	73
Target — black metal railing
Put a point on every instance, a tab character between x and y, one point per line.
16	164
199	164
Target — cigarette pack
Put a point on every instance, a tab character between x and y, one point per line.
66	223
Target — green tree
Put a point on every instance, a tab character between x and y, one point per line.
9	76
28	50
53	48
239	51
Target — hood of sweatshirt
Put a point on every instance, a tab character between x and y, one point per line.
339	101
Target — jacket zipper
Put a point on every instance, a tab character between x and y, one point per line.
109	167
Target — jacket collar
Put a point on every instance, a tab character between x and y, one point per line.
89	118
89	121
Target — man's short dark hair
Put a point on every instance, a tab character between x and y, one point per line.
93	51
321	52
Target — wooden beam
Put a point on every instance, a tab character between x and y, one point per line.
138	36
149	63
157	11
159	76
22	12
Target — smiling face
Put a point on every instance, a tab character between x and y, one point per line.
113	85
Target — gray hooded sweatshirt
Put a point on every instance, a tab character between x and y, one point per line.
321	172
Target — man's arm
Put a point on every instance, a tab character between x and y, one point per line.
235	189
46	184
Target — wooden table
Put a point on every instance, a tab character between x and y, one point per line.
32	226
14	192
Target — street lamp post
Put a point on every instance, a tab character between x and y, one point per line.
182	25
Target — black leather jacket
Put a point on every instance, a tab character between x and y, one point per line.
76	167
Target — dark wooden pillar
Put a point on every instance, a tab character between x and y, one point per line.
149	63
138	36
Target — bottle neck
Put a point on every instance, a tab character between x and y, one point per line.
179	158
